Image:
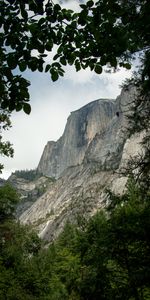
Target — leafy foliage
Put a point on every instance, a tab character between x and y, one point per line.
113	250
107	259
8	201
5	147
17	245
105	33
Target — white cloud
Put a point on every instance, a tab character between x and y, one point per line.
80	77
86	76
51	105
69	4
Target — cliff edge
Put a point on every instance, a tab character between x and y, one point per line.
86	160
92	133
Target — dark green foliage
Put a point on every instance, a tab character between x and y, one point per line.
18	248
5	124
111	255
105	33
129	243
8	201
29	175
107	259
17	245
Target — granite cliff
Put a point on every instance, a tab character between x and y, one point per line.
81	129
92	133
28	190
85	160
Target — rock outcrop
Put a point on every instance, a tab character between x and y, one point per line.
92	133
28	190
85	160
82	127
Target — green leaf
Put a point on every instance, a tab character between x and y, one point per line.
40	68
33	28
41	21
49	46
55	56
77	66
83	6
83	17
57	65
98	69
18	107
54	74
43	55
61	73
113	62
47	68
63	61
24	13
40	48
27	108
57	7
90	3
12	62
33	64
24	94
22	66
91	65
71	58
127	66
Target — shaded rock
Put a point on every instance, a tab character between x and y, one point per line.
81	128
92	133
29	191
87	159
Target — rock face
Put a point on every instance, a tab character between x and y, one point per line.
85	160
93	133
81	129
29	191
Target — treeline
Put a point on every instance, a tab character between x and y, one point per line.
107	257
29	175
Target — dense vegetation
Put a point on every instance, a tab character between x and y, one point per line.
107	257
103	33
29	175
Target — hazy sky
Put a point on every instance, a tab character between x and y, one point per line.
51	104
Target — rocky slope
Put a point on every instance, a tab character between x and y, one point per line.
85	160
96	126
29	190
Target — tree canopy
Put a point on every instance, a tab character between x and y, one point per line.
44	36
108	257
102	33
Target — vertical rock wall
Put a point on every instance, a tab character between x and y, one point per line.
81	128
94	133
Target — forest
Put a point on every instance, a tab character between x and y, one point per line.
108	256
29	175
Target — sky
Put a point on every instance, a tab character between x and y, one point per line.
51	104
